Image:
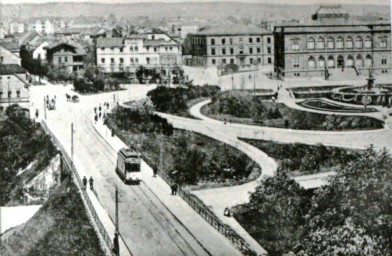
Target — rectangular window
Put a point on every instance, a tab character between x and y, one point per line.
231	51
231	40
384	61
131	60
295	45
258	50
60	59
121	60
250	50
250	40
9	94
155	49
121	49
148	60
269	60
102	49
18	94
131	49
136	48
232	61
258	39
268	40
65	59
213	51
136	60
224	61
223	51
269	50
213	61
102	60
251	61
241	40
295	63
112	60
147	48
223	40
212	41
383	43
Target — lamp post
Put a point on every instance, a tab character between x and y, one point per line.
8	91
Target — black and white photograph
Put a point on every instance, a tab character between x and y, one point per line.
195	128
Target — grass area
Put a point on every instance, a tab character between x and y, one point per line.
189	158
299	159
242	107
60	227
323	105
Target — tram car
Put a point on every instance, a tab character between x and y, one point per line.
128	166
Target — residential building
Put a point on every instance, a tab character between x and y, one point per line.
154	50
40	51
188	29
330	43
66	54
237	44
46	27
16	28
12	46
7	57
13	87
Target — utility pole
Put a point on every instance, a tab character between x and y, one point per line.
72	141
44	107
116	247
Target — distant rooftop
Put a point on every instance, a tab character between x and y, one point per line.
233	30
10	69
330	11
78	49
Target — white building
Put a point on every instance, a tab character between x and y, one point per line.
16	28
46	27
187	29
40	51
152	51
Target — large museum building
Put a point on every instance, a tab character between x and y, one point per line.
332	44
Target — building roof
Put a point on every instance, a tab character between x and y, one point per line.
27	37
78	49
10	45
233	30
331	11
110	42
158	42
10	69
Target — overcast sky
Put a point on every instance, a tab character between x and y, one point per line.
378	2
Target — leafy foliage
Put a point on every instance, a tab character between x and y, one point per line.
22	141
351	216
174	100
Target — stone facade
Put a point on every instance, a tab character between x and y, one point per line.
321	46
232	45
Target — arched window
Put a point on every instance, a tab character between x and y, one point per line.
368	42
330	43
358	42
350	61
311	43
339	43
321	62
368	61
295	44
359	61
349	42
383	42
331	62
311	62
320	43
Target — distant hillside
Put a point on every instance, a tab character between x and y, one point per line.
171	10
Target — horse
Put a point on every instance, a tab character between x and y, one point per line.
68	97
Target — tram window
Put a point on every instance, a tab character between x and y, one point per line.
132	167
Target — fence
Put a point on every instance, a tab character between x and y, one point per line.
201	209
68	163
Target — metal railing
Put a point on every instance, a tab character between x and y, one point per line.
200	208
68	163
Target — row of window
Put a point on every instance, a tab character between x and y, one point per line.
339	43
230	51
10	94
61	59
340	61
131	60
136	48
231	61
224	41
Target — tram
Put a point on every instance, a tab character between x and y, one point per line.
128	166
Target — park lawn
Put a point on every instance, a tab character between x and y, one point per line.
192	160
242	107
60	227
298	159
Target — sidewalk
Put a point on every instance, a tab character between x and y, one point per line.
208	237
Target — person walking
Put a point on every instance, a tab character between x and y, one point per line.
91	181
36	114
155	171
84	182
95	110
174	188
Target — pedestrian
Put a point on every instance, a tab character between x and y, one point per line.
91	181
95	110
108	105
174	188
100	114
96	118
100	107
155	171
84	182
36	114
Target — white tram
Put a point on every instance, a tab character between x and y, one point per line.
128	166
